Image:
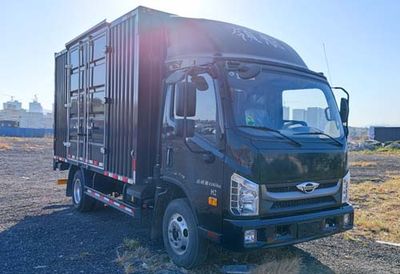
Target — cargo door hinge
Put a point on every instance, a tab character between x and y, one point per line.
107	100
107	49
103	150
68	69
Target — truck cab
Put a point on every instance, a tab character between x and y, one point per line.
254	139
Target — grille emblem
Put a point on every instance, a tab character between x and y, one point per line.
307	187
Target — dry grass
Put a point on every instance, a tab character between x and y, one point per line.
12	139
381	150
5	146
377	212
28	147
284	265
134	257
27	144
131	244
363	164
388	150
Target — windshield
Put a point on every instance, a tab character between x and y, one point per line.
294	105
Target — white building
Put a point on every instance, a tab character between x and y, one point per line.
315	117
286	111
34	118
299	114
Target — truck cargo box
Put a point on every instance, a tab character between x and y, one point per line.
108	84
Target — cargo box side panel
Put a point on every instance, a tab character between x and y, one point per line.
122	109
60	110
152	51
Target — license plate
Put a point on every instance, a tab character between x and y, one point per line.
305	230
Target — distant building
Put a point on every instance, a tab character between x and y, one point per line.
34	118
299	114
35	106
12	111
384	134
286	111
315	117
12	105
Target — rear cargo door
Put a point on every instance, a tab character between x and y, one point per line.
76	89
86	106
95	112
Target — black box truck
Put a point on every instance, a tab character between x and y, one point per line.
214	131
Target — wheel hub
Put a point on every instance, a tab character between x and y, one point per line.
178	234
77	191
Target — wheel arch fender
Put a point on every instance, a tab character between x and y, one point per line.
167	190
71	173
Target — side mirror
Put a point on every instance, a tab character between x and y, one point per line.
180	127
185	99
344	110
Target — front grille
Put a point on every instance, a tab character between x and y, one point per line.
291	188
304	202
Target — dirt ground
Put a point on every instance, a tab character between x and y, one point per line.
40	232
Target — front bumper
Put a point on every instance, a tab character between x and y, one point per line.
287	230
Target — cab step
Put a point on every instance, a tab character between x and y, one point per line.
115	203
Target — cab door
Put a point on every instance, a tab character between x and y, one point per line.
197	163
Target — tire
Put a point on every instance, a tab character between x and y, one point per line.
81	201
181	237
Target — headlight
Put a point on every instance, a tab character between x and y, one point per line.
345	188
244	196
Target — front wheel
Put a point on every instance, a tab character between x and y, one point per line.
181	237
81	201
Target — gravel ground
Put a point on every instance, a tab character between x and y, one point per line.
377	167
41	233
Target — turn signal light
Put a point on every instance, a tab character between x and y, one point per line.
212	201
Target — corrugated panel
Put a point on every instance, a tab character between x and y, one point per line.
152	51
60	111
121	124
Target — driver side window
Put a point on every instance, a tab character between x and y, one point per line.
206	111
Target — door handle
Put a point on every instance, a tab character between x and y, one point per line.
170	157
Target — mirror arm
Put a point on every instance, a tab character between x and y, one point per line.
348	100
345	91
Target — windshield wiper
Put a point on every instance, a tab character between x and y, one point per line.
317	132
275	131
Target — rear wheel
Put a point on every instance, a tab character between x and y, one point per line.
181	238
81	201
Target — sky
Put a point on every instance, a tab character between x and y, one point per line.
361	38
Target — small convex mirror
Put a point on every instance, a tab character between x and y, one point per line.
248	71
